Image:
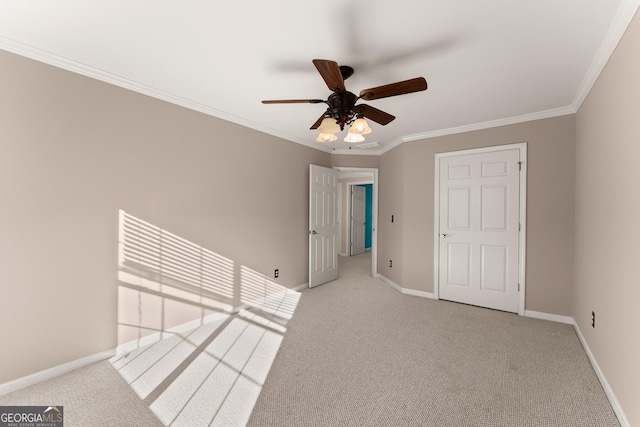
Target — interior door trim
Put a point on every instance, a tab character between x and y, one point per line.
522	244
374	210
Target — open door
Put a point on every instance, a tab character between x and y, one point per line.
323	225
358	219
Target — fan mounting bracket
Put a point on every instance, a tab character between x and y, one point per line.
345	71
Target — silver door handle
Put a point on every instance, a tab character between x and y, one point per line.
314	232
444	235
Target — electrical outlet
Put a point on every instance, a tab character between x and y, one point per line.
593	319
276	273
390	263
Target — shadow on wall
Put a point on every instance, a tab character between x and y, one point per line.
184	349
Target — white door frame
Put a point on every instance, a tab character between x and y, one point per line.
351	218
347	208
374	211
522	245
340	249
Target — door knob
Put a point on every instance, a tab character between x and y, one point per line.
314	232
444	235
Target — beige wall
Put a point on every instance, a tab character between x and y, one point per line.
355	161
391	181
607	228
73	152
406	188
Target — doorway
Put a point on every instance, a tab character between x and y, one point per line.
357	220
360	219
350	177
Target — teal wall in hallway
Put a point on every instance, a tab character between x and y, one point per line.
368	215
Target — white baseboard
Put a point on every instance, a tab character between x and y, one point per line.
554	318
622	418
46	374
406	291
546	316
390	283
183	328
300	287
415	293
189	326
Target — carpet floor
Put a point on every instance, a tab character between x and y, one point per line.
352	352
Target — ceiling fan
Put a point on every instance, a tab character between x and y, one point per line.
341	103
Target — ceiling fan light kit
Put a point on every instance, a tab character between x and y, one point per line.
328	129
342	109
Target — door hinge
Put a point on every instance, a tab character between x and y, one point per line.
518	287
519	227
519	166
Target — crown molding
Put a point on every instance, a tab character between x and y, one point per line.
621	21
48	58
624	15
626	12
556	112
78	68
357	152
393	144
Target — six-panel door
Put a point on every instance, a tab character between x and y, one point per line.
323	225
479	229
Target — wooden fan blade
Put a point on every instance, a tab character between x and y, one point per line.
393	89
330	72
374	114
293	101
316	125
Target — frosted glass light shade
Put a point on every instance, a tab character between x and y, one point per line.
353	137
360	126
326	137
328	125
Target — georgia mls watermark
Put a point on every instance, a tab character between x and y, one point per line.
31	416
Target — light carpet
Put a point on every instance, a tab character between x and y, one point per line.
354	353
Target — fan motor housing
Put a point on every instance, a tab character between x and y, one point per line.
341	107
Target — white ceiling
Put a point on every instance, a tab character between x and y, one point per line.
486	62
